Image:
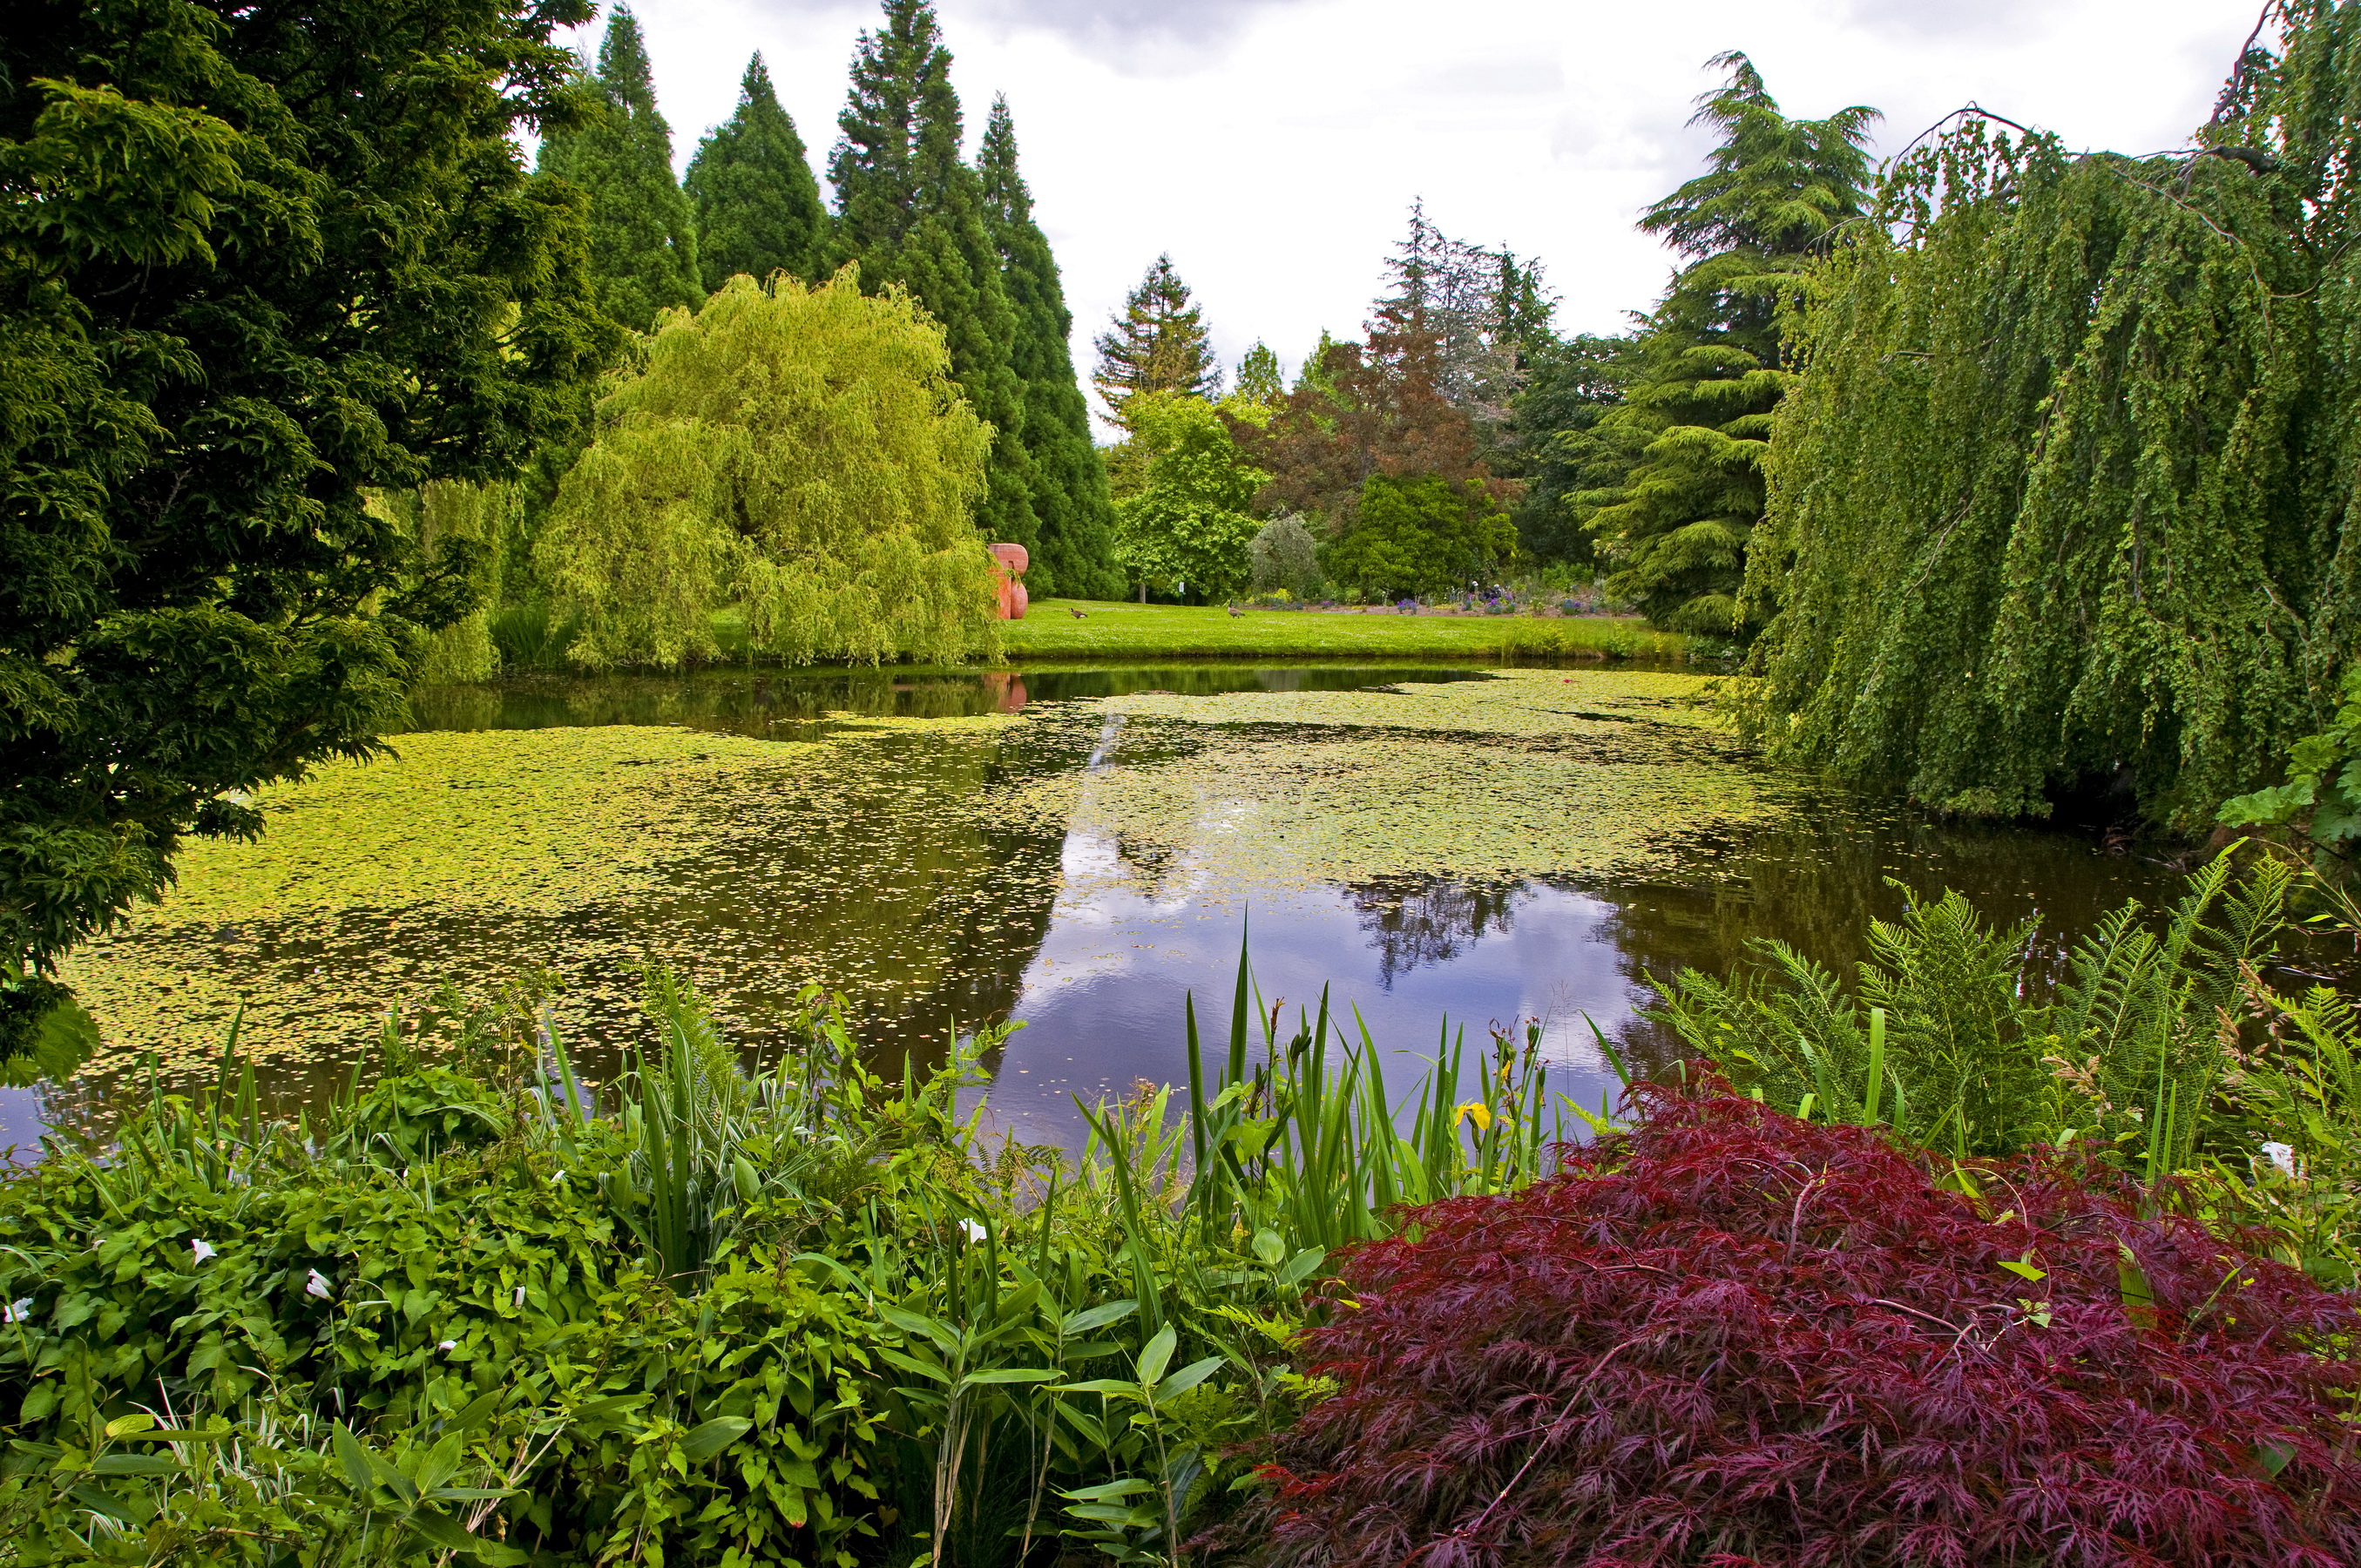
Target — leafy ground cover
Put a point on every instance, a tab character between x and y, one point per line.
799	1317
1161	630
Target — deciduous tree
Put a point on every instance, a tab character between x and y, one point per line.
1187	530
2065	500
801	451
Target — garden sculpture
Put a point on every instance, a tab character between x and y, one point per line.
1008	562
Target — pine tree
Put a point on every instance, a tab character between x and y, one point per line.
1683	454
1156	345
758	207
913	214
642	232
1076	555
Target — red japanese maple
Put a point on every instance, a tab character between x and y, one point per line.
1730	1337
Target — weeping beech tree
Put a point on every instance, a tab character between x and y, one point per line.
2064	498
802	453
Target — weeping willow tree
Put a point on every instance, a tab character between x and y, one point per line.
801	454
481	517
2064	498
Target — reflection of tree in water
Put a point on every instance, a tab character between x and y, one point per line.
1414	921
1817	884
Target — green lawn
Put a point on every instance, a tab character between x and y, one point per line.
1164	631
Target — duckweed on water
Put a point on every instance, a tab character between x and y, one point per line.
912	864
1534	772
471	856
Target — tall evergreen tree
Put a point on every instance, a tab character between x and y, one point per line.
913	214
1076	555
642	232
1683	457
758	207
1156	345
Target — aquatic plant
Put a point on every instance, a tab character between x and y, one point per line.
1731	1335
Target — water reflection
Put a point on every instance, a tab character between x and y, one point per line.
932	916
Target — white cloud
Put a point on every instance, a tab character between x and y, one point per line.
1274	146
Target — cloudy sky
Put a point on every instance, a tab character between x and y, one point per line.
1273	146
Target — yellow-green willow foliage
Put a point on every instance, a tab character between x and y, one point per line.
800	452
484	515
2064	496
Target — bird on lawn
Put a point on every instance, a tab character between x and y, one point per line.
1234	610
1075	613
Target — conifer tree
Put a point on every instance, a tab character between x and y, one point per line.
1076	555
642	233
913	214
1258	379
1683	457
758	207
1156	345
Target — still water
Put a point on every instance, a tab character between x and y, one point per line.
1037	869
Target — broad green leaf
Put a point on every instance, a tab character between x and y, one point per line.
136	1464
715	1435
126	1426
1097	1317
1129	1486
2024	1270
1301	1265
1188	1377
1100	1386
1013	1375
1159	1351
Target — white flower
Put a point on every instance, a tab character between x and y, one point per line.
520	1298
16	1311
2282	1157
448	1344
317	1284
972	1231
203	1250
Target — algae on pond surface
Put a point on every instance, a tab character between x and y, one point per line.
913	864
1590	775
755	865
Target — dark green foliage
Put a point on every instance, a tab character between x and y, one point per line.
1076	553
1676	470
642	232
914	215
254	264
2322	799
1421	535
2064	498
1157	343
758	207
1570	385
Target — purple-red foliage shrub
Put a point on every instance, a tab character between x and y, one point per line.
1733	1337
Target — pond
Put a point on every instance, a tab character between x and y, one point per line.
1076	847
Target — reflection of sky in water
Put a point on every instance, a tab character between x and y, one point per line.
20	1121
1102	1000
